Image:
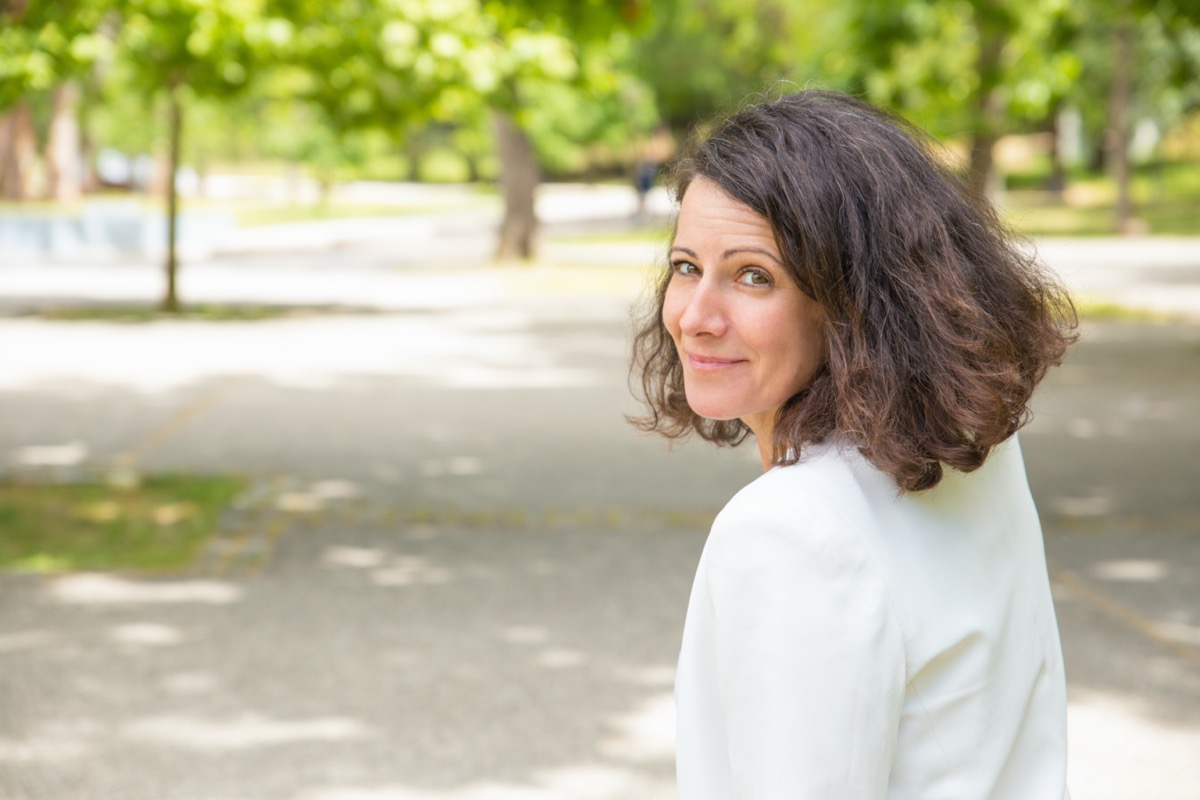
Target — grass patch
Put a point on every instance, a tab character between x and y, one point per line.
277	215
1166	198
204	312
1040	214
581	281
158	525
1091	310
652	235
1043	214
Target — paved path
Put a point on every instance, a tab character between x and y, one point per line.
461	576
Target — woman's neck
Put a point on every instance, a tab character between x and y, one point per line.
763	426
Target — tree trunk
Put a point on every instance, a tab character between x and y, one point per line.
472	160
519	176
1117	134
18	152
1057	181
175	127
989	116
414	147
87	153
63	162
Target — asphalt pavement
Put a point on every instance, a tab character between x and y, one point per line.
459	574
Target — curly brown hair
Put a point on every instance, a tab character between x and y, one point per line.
939	322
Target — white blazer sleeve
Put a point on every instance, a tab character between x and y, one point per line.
809	659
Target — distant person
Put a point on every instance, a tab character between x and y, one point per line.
870	618
644	176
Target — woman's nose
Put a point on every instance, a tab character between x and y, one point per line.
704	312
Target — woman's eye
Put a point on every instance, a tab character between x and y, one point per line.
754	277
685	268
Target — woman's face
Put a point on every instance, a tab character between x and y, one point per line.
748	338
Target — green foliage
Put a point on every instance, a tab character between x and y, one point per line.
927	58
379	64
211	47
707	56
1166	51
600	110
343	84
213	56
407	67
46	42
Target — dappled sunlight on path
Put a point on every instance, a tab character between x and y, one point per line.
464	349
421	662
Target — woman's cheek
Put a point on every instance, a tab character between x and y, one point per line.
672	309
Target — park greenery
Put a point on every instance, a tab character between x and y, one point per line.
514	91
157	524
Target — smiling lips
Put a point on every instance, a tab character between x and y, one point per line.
701	363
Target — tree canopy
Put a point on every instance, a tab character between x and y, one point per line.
570	86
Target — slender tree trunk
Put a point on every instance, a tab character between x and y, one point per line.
414	147
989	115
519	177
18	152
90	180
472	167
63	162
1057	181
1117	134
175	126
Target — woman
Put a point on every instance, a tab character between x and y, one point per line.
871	618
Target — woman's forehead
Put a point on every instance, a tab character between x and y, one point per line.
708	213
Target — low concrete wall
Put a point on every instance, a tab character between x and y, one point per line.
109	229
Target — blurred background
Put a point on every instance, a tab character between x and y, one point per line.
315	480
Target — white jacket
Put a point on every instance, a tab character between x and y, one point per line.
848	640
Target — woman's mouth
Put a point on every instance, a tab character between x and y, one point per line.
702	363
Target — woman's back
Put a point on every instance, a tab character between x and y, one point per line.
847	639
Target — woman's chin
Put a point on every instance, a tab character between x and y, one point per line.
714	411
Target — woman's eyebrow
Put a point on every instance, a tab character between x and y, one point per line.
761	250
732	252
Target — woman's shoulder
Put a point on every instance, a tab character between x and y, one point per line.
805	510
827	477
